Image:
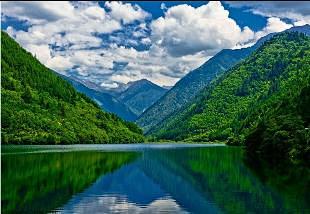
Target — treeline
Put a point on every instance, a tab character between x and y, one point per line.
39	107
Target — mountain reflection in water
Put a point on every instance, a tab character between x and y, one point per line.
173	180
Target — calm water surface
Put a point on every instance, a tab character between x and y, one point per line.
146	178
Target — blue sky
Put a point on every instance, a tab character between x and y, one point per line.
112	43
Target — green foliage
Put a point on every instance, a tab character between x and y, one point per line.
285	133
39	107
249	94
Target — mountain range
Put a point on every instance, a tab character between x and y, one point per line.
127	101
261	102
190	85
105	100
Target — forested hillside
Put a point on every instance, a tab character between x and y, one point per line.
270	87
189	86
39	107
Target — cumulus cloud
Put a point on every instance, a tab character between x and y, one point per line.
187	30
274	24
126	11
37	12
59	63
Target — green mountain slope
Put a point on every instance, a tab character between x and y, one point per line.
39	107
234	104
190	85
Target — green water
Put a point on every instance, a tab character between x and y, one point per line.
147	179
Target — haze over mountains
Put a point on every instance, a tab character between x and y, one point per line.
105	100
127	101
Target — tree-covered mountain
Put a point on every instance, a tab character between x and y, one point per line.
262	100
106	101
39	107
190	85
140	95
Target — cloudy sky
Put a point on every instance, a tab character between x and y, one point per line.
109	43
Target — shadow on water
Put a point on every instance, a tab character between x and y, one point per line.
174	180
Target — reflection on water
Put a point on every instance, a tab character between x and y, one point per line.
171	180
33	183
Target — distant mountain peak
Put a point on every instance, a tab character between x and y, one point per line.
141	81
141	94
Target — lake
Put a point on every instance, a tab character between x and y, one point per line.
147	178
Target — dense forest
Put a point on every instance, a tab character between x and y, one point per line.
39	107
261	101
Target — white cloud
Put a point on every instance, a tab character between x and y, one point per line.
42	52
146	41
126	11
37	12
274	24
187	30
109	85
59	63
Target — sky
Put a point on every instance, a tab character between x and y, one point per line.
110	43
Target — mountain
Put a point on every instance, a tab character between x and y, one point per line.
140	95
126	101
106	101
39	107
190	85
262	101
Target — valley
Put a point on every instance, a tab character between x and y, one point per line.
155	107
